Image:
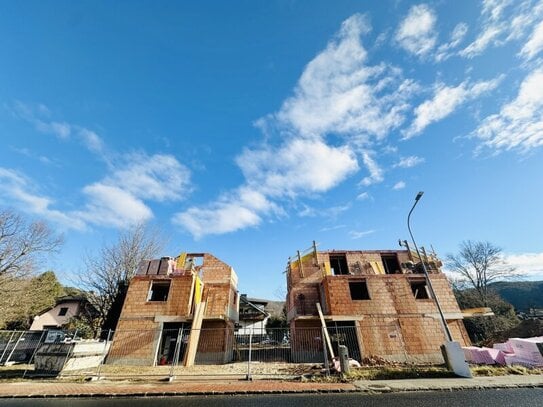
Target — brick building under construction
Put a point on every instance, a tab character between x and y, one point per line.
194	294
380	294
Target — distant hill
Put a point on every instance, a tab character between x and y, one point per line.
522	294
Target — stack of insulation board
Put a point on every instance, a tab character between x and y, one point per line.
516	351
527	352
485	356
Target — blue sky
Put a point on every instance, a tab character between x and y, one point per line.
249	129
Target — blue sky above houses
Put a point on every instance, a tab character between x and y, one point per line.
250	129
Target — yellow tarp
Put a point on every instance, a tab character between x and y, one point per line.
377	267
327	268
180	265
198	291
305	259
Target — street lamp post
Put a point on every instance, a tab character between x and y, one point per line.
425	271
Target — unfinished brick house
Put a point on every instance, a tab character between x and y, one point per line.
381	294
195	292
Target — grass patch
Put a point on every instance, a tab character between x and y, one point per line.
504	370
393	373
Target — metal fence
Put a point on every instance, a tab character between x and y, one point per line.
167	352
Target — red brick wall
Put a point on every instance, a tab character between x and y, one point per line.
392	322
137	306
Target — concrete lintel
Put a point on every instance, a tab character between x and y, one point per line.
138	318
220	317
344	317
447	315
171	318
331	317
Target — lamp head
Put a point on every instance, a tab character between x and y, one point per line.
419	195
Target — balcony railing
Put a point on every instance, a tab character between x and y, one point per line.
303	308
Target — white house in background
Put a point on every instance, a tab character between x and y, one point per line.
252	316
60	314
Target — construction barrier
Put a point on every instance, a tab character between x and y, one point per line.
247	353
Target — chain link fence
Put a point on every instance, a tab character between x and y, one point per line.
184	352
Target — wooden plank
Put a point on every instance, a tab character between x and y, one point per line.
195	334
327	337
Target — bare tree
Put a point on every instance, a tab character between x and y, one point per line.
478	265
23	245
115	264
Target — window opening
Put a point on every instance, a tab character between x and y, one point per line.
420	290
339	265
390	261
359	290
159	291
63	311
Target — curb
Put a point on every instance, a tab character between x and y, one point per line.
386	389
368	390
176	393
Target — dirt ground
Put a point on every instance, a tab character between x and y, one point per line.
231	369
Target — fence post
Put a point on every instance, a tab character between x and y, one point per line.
176	353
104	353
325	353
343	354
14	347
249	357
34	353
7	346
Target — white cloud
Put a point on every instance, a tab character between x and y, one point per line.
355	234
530	264
376	172
112	206
445	101
118	199
519	124
91	140
330	228
363	196
416	33
61	130
534	44
482	41
409	162
158	177
398	185
235	211
299	166
444	51
19	189
331	212
503	21
338	93
38	116
307	212
492	27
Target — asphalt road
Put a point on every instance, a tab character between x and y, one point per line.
471	398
